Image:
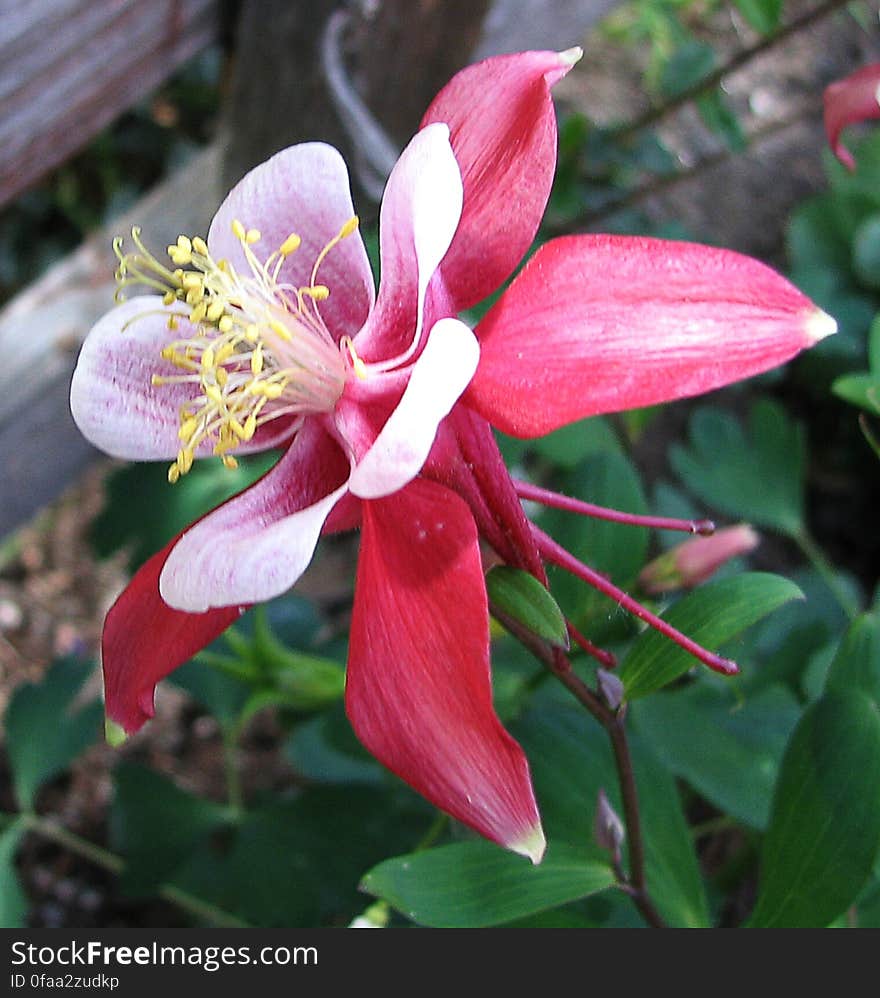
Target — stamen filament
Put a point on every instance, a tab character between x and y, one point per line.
557	555
534	493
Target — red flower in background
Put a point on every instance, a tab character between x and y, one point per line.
385	409
848	101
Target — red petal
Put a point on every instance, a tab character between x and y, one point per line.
145	640
418	690
466	459
503	133
600	323
848	101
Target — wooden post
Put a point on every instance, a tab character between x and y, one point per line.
398	52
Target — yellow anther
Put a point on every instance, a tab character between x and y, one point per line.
184	243
191	279
194	296
252	236
168	353
215	311
198	313
184	459
214	394
290	245
317	292
349	227
207	361
222	376
168	298
230	462
157	379
238	230
257	359
187	428
225	324
273	390
252	332
280	329
173	322
224	353
173	473
236	428
250	427
200	246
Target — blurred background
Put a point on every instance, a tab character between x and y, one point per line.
685	118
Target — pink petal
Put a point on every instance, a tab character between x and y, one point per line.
145	640
418	690
257	545
848	101
503	134
600	323
420	211
438	378
302	190
113	401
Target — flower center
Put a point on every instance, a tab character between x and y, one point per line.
256	348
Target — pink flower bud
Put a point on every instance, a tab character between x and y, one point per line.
691	563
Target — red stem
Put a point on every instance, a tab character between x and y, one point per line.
557	555
525	490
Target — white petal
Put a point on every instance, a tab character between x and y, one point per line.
421	209
254	547
438	378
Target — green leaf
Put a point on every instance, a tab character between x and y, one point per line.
571	760
688	65
156	826
571	444
856	666
866	252
824	828
728	752
718	116
711	615
755	476
46	729
298	862
324	749
143	512
862	390
519	595
762	15
14	905
476	884
817	240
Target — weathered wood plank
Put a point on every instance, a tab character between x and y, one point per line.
41	329
69	67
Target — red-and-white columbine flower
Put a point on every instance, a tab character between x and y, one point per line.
848	101
268	334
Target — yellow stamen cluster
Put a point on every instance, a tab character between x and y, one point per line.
255	349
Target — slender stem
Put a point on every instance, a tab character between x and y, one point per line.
114	864
816	556
744	56
557	555
525	490
612	721
630	797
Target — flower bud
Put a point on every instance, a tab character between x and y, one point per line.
694	561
